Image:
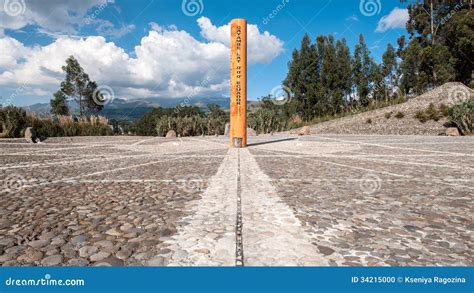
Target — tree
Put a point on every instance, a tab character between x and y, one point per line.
215	112
389	70
330	94
302	78
363	66
409	68
444	31
78	87
344	71
459	35
59	104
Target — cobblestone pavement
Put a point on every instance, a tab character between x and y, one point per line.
314	200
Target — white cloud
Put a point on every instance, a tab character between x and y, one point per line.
168	62
56	15
262	47
12	52
397	18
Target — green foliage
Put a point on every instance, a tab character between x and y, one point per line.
432	113
78	87
59	104
273	117
363	70
441	34
146	125
399	115
215	112
15	120
190	125
462	116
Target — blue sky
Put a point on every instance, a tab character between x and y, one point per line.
153	48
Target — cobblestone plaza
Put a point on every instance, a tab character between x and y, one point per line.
322	200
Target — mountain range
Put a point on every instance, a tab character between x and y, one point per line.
133	109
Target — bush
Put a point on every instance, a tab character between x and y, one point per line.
444	110
190	126
388	115
12	121
15	121
421	116
462	116
399	115
432	113
266	120
147	124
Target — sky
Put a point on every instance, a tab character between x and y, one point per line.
138	49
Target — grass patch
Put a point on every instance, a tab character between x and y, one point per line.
462	117
399	115
432	113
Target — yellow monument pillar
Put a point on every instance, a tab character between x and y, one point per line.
238	83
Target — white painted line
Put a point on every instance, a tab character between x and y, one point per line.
399	148
209	237
272	234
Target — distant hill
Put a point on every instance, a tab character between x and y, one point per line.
133	109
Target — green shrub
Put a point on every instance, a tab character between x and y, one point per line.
421	116
462	116
432	113
444	110
14	121
399	115
190	126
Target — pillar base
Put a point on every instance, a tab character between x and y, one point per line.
237	142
